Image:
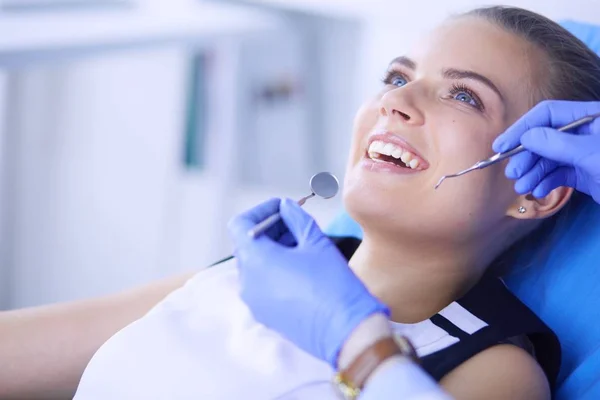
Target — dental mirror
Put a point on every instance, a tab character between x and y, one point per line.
323	184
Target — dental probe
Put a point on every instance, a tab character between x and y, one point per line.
323	184
496	158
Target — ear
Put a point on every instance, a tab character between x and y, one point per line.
529	207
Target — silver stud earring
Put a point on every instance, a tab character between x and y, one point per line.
522	210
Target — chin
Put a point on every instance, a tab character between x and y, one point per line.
372	206
395	207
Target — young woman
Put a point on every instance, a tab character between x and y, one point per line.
428	255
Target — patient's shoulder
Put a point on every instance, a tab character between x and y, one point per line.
487	316
502	371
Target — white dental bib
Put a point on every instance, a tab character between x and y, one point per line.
201	342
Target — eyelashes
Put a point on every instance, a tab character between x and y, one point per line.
458	91
460	88
390	77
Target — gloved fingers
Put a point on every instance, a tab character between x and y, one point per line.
287	239
549	113
256	214
239	225
279	233
511	138
520	164
535	175
253	256
558	146
561	176
300	223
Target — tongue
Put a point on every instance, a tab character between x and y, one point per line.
392	160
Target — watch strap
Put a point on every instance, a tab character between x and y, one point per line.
352	380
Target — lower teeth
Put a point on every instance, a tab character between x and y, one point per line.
399	163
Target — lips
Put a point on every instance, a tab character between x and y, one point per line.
392	149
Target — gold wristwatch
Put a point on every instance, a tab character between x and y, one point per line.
351	381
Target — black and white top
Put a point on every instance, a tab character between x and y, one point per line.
489	314
202	342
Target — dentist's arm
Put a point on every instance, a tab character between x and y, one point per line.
296	282
308	293
44	350
396	378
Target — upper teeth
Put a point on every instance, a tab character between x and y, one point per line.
389	149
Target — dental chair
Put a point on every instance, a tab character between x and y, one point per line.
564	290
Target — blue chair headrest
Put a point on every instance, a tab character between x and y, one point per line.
564	290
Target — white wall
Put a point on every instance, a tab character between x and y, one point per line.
4	245
94	178
340	95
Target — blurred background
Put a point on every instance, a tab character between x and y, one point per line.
132	130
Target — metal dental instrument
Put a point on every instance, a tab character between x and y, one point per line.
323	184
496	158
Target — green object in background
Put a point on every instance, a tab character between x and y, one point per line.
195	126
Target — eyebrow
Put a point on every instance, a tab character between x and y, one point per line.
452	73
403	60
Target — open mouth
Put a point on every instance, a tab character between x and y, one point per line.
381	151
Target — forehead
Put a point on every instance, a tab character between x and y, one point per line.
475	44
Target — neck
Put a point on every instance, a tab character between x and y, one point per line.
416	279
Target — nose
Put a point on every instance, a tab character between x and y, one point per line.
399	105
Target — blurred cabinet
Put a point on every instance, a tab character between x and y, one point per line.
91	131
123	166
278	143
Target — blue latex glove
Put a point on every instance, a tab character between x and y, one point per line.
554	158
305	291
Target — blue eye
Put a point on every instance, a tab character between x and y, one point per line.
463	94
398	81
394	78
465	98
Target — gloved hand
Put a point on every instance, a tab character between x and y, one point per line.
306	291
554	158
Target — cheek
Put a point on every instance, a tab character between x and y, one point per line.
462	143
477	199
